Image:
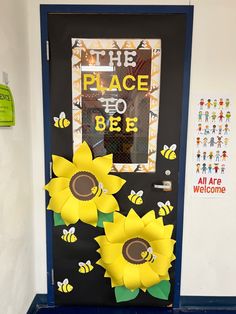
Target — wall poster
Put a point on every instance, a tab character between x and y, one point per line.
117	83
212	146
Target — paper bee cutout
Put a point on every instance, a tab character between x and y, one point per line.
85	267
148	255
64	286
68	236
61	122
169	152
136	198
165	209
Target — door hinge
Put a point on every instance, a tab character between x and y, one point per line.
52	277
50	170
47	50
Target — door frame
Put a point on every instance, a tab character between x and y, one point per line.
126	9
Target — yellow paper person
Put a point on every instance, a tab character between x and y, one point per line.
83	187
123	246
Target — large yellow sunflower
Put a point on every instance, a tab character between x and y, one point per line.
83	187
124	248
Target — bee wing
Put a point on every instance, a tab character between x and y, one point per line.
104	190
65	281
160	204
88	262
149	250
165	147
173	147
65	231
100	185
140	193
62	115
167	203
72	230
59	284
132	192
81	264
55	119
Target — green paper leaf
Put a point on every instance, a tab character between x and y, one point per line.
161	290
58	221
102	217
123	294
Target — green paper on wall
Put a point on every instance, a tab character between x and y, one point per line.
7	111
123	294
160	290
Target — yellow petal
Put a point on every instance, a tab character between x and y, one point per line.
111	183
118	217
101	240
88	212
103	163
161	265
164	246
62	167
168	231
106	203
133	224
83	157
70	210
153	231
110	252
57	185
58	200
115	232
116	270
148	276
149	217
131	276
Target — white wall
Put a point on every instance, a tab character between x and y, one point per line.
209	249
208	253
16	210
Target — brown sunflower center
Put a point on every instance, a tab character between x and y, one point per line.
133	248
81	185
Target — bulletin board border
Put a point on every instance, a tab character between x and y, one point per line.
117	9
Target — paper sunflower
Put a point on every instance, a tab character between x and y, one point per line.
124	247
83	187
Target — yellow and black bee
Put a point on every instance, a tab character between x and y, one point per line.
165	209
169	152
85	267
68	236
148	255
64	286
61	122
98	190
136	198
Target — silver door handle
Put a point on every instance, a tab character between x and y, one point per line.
166	186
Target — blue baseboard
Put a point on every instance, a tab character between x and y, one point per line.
189	305
208	302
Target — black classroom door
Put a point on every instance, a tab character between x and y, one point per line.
116	85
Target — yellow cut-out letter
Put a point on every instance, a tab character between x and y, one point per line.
130	124
89	79
142	85
125	79
114	124
100	123
115	84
